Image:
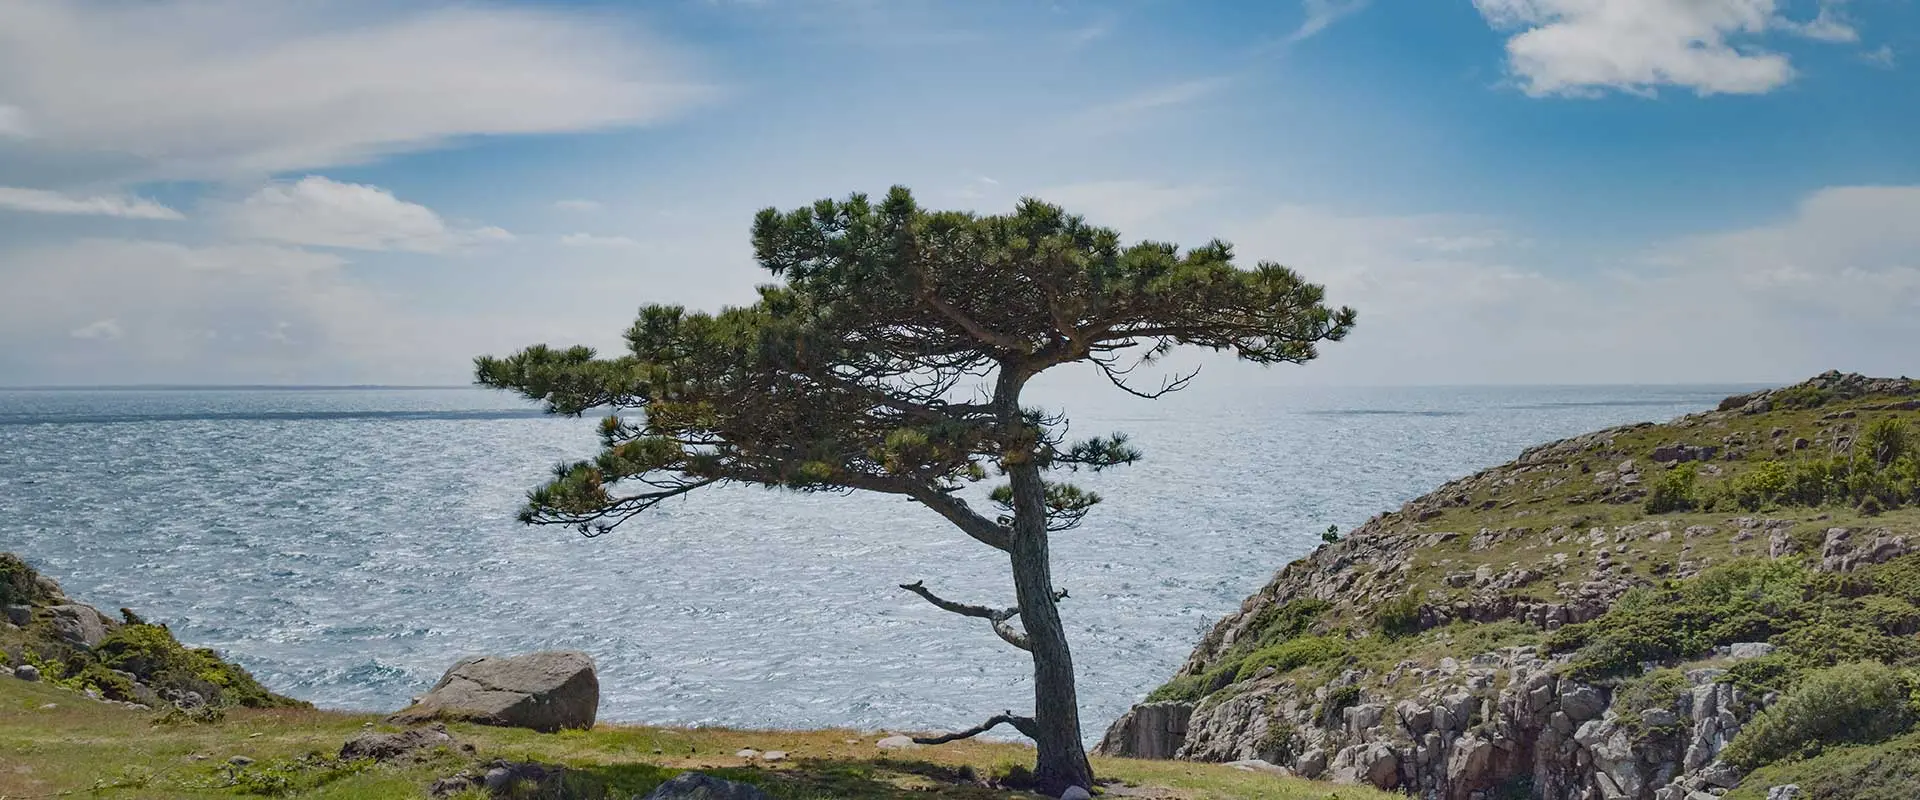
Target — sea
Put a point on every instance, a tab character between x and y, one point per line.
347	545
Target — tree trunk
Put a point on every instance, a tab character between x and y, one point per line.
1062	759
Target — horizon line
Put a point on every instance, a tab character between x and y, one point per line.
188	387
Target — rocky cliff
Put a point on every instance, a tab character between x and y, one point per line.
47	636
1600	618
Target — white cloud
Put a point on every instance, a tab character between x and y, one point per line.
219	88
45	202
1321	14
319	211
1831	25
106	330
1881	57
578	205
1834	285
1123	204
590	240
1582	47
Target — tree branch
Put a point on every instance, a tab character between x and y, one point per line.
997	617
1025	725
973	328
957	511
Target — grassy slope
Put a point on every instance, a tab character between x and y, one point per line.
79	744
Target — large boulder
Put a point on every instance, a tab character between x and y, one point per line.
696	786
545	691
1148	730
78	624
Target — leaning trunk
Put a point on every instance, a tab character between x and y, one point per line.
1062	760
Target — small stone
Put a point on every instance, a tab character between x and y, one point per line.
897	743
1790	791
1075	793
747	753
1741	651
49	706
27	672
255	735
774	755
240	761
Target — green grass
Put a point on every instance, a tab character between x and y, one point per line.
96	750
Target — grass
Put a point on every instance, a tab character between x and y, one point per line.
83	748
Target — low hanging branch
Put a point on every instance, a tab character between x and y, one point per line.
1025	725
997	617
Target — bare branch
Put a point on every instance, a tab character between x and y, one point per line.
983	612
1116	376
959	513
1025	725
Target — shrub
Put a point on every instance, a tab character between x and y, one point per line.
1660	688
19	584
1398	617
1293	654
1859	703
151	652
1673	490
1886	440
1767	483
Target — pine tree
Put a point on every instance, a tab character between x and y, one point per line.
890	357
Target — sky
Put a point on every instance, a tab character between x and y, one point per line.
1508	191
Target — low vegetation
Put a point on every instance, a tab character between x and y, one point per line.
57	742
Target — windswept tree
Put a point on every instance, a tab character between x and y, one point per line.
890	357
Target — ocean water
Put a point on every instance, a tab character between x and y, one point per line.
347	545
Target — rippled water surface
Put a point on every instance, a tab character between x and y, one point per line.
348	545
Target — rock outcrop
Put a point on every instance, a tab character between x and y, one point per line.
546	691
1550	540
128	660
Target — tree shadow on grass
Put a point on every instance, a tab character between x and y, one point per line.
883	779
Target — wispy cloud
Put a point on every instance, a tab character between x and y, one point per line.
45	202
155	82
578	205
1881	57
1141	102
591	240
1321	14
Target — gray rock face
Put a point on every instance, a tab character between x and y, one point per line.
1148	730
1373	763
698	786
27	672
545	691
1789	791
78	624
20	615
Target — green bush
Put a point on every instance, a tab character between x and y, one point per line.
1801	396
1767	483
1673	490
1886	440
1660	688
1399	617
18	585
161	662
1293	654
1858	703
1887	771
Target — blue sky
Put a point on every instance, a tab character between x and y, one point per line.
1510	191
